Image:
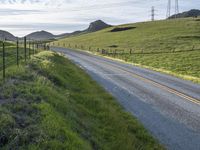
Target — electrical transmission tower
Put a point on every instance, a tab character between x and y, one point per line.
176	8
152	13
169	7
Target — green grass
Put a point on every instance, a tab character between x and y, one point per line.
185	65
11	54
52	104
164	44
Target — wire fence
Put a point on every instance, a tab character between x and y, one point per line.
19	51
115	50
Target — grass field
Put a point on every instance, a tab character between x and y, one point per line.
52	104
170	45
185	65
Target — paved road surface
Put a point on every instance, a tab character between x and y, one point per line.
168	107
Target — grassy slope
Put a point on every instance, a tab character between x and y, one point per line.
167	38
52	104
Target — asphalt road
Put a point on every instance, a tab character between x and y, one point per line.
167	106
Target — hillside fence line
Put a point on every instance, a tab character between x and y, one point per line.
124	51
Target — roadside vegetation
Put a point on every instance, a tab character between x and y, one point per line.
171	46
49	103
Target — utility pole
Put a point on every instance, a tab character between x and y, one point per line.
152	13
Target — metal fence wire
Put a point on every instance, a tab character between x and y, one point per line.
19	51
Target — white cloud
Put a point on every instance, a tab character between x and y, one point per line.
23	16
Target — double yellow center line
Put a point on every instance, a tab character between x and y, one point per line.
161	86
156	84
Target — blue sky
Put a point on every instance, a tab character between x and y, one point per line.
21	17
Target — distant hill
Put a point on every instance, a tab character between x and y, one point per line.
191	13
44	35
40	35
6	35
93	27
97	25
69	34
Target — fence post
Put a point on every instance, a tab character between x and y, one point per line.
25	48
17	52
4	65
130	51
33	47
29	47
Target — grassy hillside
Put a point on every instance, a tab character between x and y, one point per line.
170	45
52	104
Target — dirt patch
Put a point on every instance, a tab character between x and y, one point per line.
118	29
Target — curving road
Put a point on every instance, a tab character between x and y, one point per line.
167	106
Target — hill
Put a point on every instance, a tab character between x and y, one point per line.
44	35
96	26
6	35
170	46
40	35
191	13
93	27
69	34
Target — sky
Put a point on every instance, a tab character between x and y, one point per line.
21	17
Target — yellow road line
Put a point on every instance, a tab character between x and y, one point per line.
166	88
